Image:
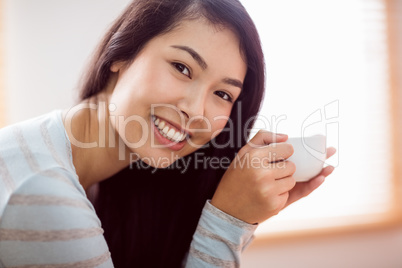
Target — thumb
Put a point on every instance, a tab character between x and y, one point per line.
262	138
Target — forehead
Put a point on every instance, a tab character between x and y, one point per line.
217	44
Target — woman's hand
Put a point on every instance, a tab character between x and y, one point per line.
259	183
303	189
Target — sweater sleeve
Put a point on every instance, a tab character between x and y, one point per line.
218	240
48	223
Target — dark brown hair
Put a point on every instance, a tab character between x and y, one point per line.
149	217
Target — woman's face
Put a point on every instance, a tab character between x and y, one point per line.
187	81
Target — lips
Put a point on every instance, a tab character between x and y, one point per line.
163	139
172	125
168	131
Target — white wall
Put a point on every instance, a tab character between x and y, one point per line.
47	44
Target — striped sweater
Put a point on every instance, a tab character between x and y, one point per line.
46	219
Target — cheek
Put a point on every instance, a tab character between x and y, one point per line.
148	82
137	95
218	125
160	86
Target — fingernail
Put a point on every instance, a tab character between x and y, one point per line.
281	135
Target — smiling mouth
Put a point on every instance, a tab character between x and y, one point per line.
168	131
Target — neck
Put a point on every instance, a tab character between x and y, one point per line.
98	152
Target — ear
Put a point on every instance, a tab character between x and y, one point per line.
116	66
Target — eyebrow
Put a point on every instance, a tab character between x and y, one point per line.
233	82
204	65
195	56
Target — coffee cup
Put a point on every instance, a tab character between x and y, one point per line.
309	156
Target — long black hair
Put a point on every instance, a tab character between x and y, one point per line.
148	215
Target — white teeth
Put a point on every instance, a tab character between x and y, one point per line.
167	132
171	133
176	136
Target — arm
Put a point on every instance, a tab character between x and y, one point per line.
218	240
49	222
248	194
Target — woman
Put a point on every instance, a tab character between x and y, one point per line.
172	80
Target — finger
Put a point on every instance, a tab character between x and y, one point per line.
273	152
326	171
281	169
262	138
330	152
303	189
279	187
285	185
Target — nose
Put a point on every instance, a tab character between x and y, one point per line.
192	105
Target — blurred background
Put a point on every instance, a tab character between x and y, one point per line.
333	67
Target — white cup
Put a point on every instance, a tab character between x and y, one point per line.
309	156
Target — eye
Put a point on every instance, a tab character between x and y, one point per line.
224	96
182	68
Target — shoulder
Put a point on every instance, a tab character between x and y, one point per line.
32	148
48	220
53	194
40	136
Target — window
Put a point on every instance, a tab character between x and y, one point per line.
328	72
2	76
